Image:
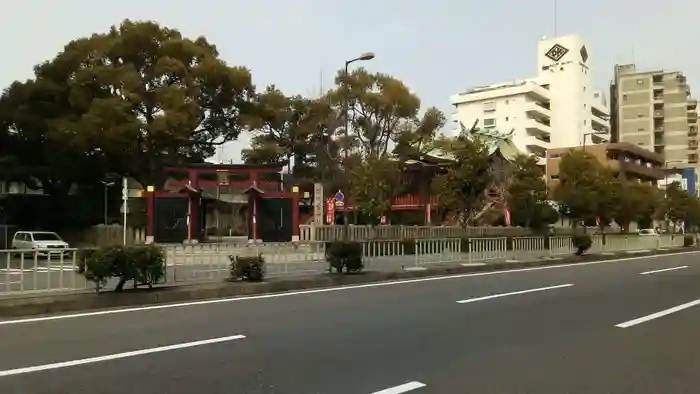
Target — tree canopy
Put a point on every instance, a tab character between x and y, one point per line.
139	97
461	188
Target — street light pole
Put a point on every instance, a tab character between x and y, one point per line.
107	185
346	110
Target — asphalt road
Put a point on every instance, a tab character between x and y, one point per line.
564	329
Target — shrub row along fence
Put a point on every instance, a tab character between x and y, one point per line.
117	266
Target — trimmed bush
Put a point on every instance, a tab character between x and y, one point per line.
582	242
248	268
344	256
688	240
144	265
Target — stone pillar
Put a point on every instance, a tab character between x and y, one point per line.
150	216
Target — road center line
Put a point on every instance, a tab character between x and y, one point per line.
657	315
663	270
401	389
512	293
116	356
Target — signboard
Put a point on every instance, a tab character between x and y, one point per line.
318	203
339	196
330	211
382	220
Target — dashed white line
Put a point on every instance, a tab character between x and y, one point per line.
663	270
513	293
657	315
116	356
402	388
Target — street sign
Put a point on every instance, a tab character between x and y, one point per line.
339	196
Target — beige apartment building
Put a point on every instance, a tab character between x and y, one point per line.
654	110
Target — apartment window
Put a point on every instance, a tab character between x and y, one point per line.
585	106
506	102
489	122
489	106
596	95
624	97
641	129
506	118
555	176
584	88
584	122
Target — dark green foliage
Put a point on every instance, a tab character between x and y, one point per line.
344	256
249	268
688	240
462	187
582	243
142	264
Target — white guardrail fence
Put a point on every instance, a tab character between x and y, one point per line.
29	272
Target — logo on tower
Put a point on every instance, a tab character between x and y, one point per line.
556	52
584	54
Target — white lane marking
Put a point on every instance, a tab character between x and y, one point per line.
116	356
489	297
322	290
401	389
663	270
657	315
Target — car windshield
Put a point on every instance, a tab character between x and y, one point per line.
46	237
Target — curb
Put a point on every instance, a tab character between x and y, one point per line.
55	303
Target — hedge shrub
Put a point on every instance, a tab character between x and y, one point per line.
248	268
688	240
582	243
344	256
143	264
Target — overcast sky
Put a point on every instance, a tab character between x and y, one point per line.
438	47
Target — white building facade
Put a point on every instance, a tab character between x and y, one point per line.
557	108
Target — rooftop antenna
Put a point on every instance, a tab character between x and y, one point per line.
320	83
555	17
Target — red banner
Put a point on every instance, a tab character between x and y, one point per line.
330	211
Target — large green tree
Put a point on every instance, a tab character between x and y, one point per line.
461	188
144	97
294	129
374	181
382	109
633	202
585	188
41	152
526	195
679	205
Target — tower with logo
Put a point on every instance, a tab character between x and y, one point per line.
563	68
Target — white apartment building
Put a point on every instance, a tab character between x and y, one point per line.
557	108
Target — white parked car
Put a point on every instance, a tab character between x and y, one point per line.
44	242
649	232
